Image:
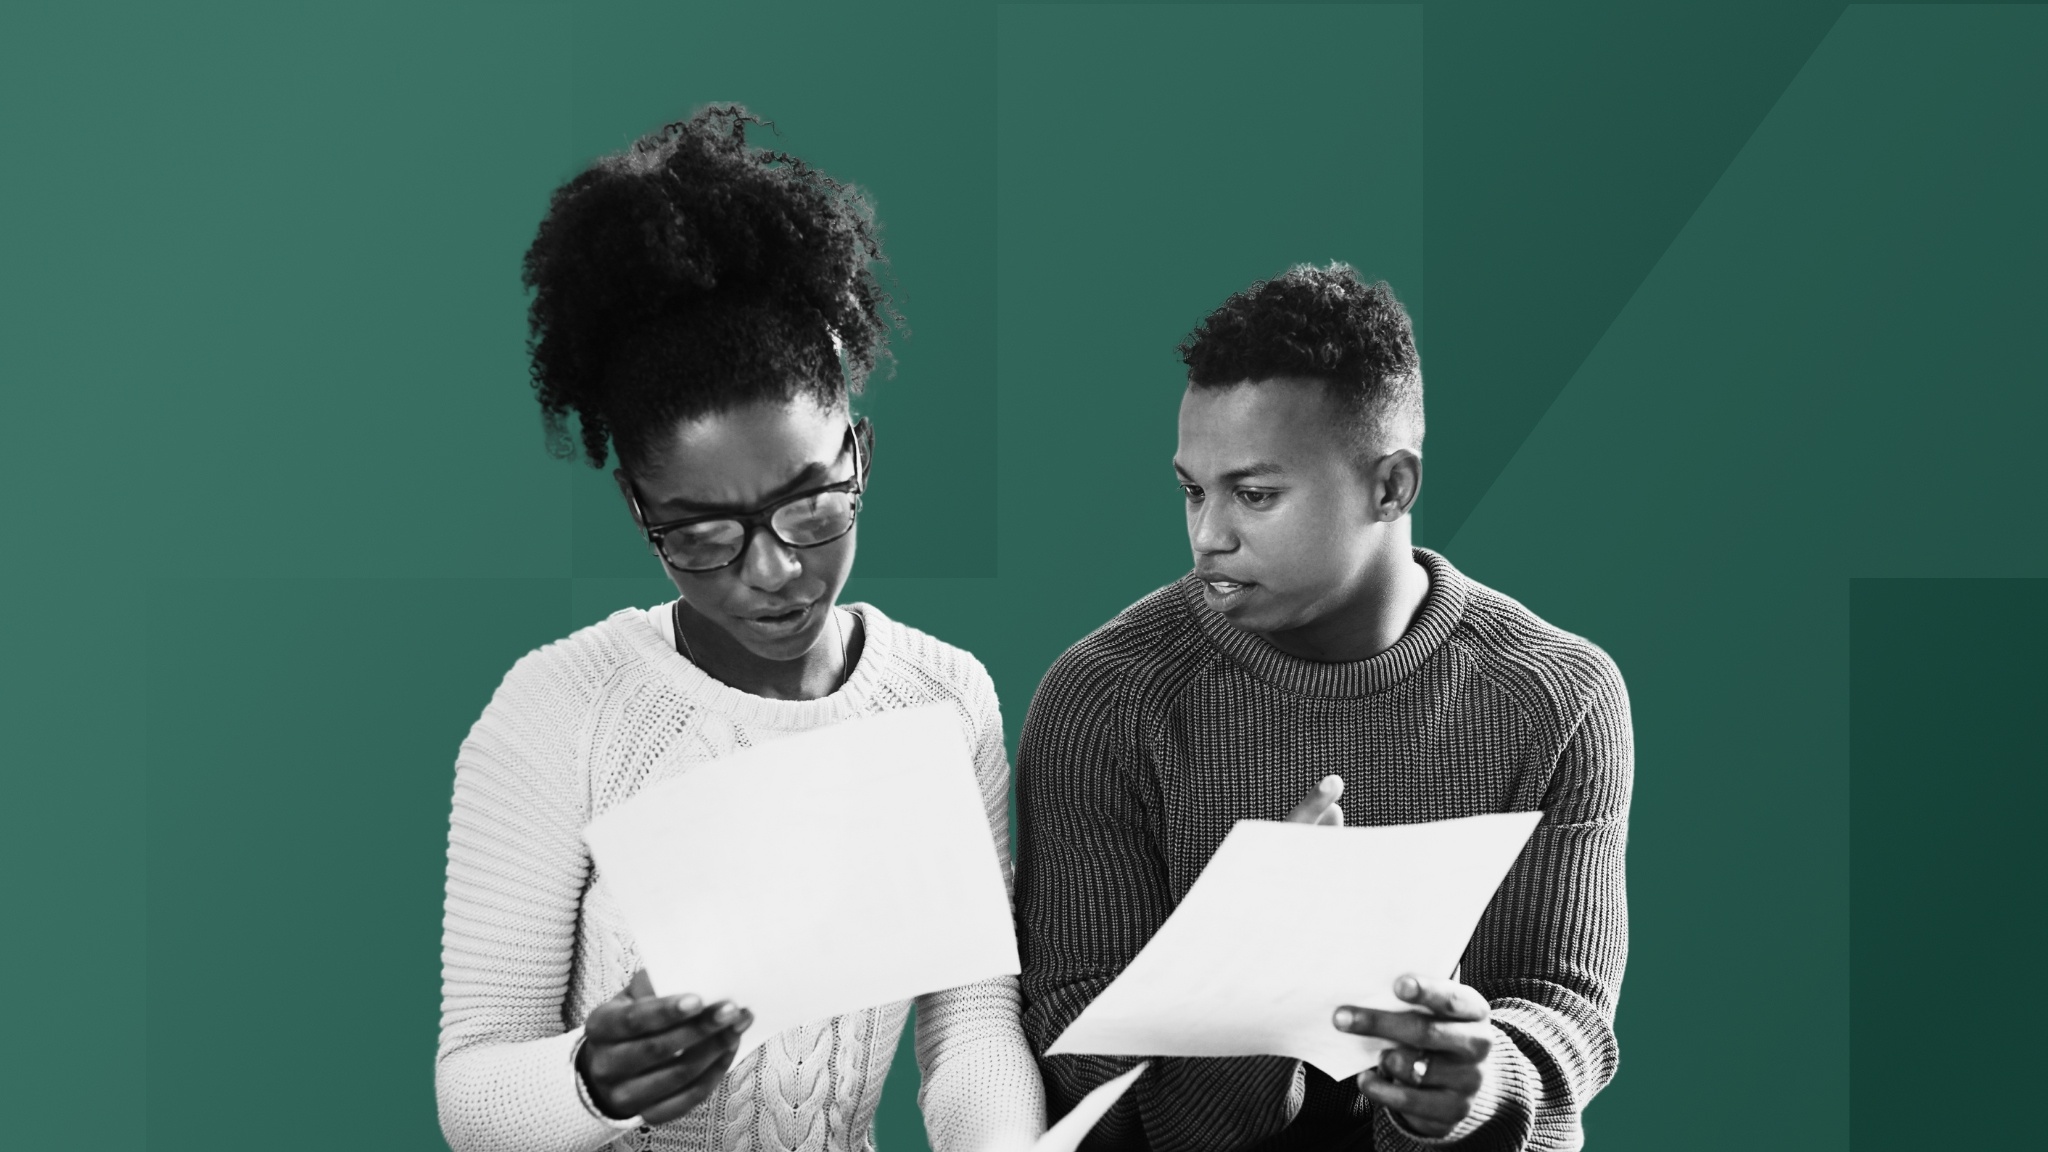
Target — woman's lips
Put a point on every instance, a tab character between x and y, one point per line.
781	623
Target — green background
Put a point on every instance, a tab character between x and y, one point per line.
1731	317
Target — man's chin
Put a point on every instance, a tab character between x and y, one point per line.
1261	611
1249	607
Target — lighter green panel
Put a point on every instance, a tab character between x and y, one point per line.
897	99
1822	377
73	840
338	206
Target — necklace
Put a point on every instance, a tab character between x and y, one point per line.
838	626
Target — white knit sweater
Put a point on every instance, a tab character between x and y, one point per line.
531	941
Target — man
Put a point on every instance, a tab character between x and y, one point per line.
1313	640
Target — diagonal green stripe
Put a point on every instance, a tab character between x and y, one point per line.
1567	145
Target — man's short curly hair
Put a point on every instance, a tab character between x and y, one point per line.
1320	324
693	273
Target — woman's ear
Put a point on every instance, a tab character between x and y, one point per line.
864	438
632	501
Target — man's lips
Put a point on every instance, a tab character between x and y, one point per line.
1223	585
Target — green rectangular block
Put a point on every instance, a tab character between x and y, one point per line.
1950	781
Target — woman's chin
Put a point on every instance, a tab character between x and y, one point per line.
789	637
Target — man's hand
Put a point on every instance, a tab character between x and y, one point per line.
1440	1058
1320	805
657	1057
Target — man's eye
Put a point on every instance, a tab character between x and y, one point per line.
1256	498
1193	492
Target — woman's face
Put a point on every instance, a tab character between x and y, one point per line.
775	601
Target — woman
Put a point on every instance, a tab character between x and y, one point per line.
703	309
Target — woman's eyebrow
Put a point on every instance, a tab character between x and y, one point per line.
809	476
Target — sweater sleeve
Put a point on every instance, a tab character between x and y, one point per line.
1548	952
505	1075
1092	889
978	1084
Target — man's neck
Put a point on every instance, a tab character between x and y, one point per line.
1372	621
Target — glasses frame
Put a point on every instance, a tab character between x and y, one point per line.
860	436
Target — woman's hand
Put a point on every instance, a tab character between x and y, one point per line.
657	1057
1441	1059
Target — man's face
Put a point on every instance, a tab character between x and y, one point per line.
1281	516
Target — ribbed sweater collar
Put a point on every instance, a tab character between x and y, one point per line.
1441	610
850	700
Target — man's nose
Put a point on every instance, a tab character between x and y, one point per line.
1210	530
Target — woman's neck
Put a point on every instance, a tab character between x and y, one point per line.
816	674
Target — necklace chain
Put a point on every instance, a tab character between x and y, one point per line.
838	625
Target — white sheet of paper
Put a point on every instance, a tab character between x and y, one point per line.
1287	922
820	873
1066	1136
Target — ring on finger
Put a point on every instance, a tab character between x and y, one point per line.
1417	1069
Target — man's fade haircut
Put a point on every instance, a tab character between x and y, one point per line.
1321	324
694	273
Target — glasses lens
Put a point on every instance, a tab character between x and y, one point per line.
705	544
816	519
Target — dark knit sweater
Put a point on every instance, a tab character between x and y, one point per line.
1157	732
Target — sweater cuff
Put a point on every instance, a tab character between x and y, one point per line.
521	1094
583	1091
1503	1110
978	1084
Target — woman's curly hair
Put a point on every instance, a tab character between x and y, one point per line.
692	273
1319	324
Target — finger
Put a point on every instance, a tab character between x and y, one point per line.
1462	1039
615	1063
646	1017
1430	1111
657	1087
608	1020
1417	1068
691	1095
642	987
1319	799
1333	816
1446	998
622	1018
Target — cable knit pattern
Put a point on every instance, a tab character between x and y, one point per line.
1156	733
532	938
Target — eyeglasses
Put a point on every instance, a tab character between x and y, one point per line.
805	520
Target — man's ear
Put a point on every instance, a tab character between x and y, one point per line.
1396	482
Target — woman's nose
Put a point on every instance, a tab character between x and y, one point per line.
769	563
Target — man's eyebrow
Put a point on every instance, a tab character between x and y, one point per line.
1242	472
1254	469
809	476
